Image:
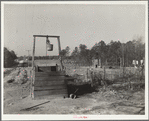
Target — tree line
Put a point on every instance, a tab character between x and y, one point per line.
113	53
9	57
37	57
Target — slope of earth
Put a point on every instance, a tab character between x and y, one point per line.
17	100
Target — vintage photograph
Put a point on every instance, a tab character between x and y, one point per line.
81	58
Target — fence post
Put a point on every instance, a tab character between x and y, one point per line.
111	75
104	74
142	72
123	72
22	93
87	75
119	74
105	83
31	84
137	74
93	73
130	70
30	75
93	76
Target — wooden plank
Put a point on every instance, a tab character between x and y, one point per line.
48	79
54	78
44	67
51	96
36	68
41	74
50	92
48	69
32	81
45	36
27	109
48	83
55	87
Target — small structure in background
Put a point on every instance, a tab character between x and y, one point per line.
16	60
96	63
22	63
142	64
136	63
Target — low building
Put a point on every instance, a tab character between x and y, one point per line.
96	62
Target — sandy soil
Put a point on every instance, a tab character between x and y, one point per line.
17	100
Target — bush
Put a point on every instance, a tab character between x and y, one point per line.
9	57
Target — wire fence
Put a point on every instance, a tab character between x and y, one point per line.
87	73
121	73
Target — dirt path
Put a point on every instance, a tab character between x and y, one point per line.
18	101
94	103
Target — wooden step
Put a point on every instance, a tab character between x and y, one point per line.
51	97
42	74
47	79
48	83
53	78
55	87
48	69
51	92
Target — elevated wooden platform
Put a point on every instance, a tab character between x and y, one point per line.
48	83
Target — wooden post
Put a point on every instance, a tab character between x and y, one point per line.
32	81
123	58
93	73
130	70
123	63
22	93
33	54
60	57
87	74
142	69
46	48
137	74
111	74
105	83
46	45
116	61
58	39
129	81
123	73
104	73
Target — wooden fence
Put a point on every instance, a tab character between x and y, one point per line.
108	74
111	74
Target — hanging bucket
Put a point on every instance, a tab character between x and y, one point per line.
49	47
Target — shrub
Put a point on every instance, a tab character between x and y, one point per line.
9	57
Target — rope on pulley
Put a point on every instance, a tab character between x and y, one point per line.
49	46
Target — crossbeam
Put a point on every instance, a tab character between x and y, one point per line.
46	36
58	39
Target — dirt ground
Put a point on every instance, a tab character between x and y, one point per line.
17	100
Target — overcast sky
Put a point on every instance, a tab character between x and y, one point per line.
75	24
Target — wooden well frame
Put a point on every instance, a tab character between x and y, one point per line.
33	54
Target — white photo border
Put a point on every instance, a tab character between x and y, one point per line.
70	117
